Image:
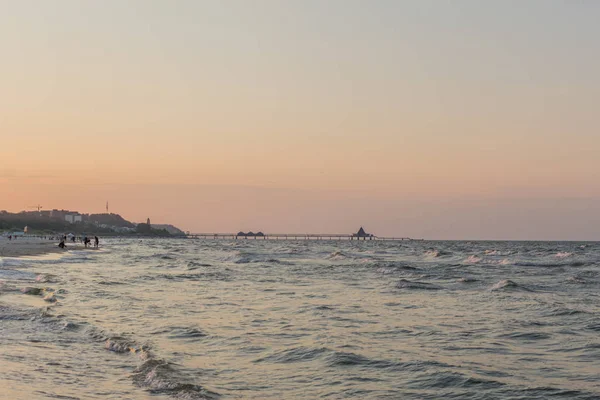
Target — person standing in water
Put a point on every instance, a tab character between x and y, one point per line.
96	241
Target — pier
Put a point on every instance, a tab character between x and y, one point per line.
292	236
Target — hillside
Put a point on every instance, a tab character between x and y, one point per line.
173	230
64	221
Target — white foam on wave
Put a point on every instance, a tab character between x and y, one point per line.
432	253
505	283
472	259
563	254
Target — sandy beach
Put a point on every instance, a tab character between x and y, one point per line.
22	247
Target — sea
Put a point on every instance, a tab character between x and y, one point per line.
267	319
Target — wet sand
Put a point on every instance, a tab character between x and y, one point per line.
24	247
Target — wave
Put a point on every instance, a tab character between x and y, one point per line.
248	259
162	377
394	267
574	279
200	276
47	294
445	379
185	332
297	354
563	311
192	265
337	255
472	259
594	326
550	264
496	252
12	313
550	393
154	374
111	283
155	256
434	253
336	358
563	254
46	278
122	345
406	284
526	336
507	285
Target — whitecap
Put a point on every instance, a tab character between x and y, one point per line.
472	259
563	254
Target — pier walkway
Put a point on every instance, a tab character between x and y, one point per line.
292	236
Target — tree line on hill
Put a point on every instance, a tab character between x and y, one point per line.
103	224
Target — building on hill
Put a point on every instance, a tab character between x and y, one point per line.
62	214
109	220
73	218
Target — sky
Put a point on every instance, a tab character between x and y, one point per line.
438	119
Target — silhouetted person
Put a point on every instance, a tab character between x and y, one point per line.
96	241
62	244
86	241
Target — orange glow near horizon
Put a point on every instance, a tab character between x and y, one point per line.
391	104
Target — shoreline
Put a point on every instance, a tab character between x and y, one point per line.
30	247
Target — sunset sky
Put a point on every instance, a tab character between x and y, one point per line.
427	118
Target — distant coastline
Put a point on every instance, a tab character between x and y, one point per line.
55	221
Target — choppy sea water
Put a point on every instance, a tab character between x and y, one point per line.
195	319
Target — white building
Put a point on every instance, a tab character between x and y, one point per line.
73	218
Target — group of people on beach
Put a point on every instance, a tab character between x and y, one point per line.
86	241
